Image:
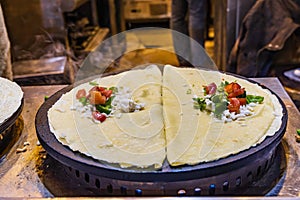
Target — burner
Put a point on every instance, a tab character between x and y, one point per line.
62	180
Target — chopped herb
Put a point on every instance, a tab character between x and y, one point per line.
93	83
220	88
199	103
83	100
218	98
189	91
114	89
298	132
254	99
46	98
204	91
220	108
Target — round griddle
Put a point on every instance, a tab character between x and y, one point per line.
223	176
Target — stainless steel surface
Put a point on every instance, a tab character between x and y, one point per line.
32	173
27	68
46	71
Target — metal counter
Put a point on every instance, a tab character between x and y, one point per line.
32	173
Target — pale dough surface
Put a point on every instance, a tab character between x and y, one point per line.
134	139
169	126
11	96
193	136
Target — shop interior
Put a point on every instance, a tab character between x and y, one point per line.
49	42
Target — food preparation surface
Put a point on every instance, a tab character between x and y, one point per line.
32	173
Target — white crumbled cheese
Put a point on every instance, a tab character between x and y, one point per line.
226	113
250	108
246	110
124	103
85	111
252	104
209	105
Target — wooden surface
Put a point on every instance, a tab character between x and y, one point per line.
33	174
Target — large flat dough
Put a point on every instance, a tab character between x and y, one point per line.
193	136
135	139
169	126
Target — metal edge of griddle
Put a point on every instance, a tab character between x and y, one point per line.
12	119
68	157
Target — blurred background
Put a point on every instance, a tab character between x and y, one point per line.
48	40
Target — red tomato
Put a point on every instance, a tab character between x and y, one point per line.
235	86
99	116
236	93
231	87
243	101
234	105
210	89
106	93
96	98
80	93
95	88
101	89
228	88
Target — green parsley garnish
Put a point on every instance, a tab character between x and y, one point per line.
113	89
254	99
189	91
199	103
83	100
220	101
93	83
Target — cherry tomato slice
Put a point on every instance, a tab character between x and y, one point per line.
236	92
210	88
80	93
234	105
97	88
243	101
231	87
106	93
99	116
101	89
